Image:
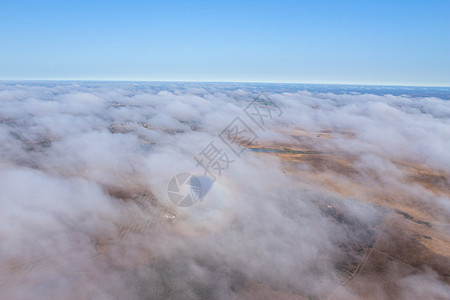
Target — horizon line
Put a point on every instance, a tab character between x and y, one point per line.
214	81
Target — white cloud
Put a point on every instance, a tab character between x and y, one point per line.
58	209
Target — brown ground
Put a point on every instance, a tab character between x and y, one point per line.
414	237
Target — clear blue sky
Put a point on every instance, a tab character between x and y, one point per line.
364	42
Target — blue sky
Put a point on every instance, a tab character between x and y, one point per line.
356	42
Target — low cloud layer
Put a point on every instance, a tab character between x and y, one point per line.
84	169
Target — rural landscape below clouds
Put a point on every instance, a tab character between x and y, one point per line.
342	192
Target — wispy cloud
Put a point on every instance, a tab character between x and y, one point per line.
84	170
